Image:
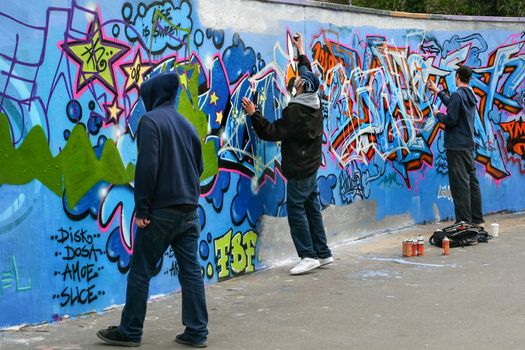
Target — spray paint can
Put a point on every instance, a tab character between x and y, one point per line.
445	244
420	245
414	247
407	248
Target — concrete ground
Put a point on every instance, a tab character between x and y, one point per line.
369	298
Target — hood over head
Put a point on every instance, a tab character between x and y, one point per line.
159	90
308	99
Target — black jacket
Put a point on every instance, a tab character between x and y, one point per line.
459	120
169	162
301	131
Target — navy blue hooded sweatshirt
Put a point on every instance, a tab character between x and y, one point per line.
169	162
459	120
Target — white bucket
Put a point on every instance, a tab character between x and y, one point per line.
494	229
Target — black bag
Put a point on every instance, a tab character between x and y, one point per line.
484	236
460	235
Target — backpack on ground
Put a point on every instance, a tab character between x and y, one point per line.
460	235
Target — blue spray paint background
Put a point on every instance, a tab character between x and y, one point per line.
381	143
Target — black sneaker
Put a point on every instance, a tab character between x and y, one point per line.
112	336
183	339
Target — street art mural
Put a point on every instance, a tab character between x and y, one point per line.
69	111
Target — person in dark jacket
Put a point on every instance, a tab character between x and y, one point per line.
167	190
301	131
459	146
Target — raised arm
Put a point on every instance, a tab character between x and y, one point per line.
453	111
277	131
441	94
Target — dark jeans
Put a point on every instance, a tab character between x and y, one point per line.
180	230
464	186
305	219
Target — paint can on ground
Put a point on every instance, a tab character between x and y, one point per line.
494	229
446	246
414	247
407	248
420	246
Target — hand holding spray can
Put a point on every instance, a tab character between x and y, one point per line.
446	246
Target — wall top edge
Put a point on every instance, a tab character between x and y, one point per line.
427	16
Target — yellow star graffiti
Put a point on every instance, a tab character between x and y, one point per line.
214	98
135	72
218	117
95	56
113	112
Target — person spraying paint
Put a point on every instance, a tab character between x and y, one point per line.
301	131
459	146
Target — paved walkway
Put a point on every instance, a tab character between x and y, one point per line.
370	298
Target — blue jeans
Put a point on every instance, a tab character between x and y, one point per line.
305	219
180	230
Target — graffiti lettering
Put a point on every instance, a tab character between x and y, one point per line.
516	139
79	236
235	254
7	280
135	73
161	24
73	295
93	55
352	185
76	272
444	192
77	248
86	251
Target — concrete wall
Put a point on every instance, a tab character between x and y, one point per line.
70	107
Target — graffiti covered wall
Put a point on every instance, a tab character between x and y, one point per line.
69	110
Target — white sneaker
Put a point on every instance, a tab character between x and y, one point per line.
326	261
480	226
306	264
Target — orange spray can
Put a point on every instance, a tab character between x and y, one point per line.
407	248
414	247
446	246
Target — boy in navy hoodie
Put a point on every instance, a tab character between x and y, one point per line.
167	189
459	146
